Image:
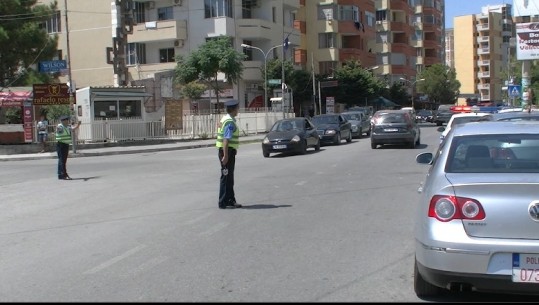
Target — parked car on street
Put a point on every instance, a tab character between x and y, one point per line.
333	128
442	114
516	116
360	123
294	135
477	219
394	127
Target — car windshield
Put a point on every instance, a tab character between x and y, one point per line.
389	118
467	119
444	108
285	125
514	153
330	119
425	112
351	116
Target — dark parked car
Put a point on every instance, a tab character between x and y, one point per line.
424	115
516	116
292	135
442	115
332	128
394	127
360	123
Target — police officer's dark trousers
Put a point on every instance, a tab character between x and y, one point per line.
62	149
226	187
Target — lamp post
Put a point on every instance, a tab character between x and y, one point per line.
412	85
265	68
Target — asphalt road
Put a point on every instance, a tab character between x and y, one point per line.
329	226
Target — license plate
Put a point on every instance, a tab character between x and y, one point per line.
279	146
525	268
391	129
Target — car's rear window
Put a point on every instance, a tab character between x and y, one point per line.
467	119
351	116
330	119
516	153
388	118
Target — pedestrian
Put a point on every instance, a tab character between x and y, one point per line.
63	138
42	132
227	143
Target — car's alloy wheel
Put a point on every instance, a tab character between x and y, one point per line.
423	288
317	147
266	154
418	141
373	145
412	144
349	139
338	139
303	147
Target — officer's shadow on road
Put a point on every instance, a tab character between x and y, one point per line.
86	178
265	206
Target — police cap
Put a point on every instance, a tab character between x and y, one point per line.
231	103
64	117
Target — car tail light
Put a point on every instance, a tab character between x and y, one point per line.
461	109
447	208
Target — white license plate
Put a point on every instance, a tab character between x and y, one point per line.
391	129
525	268
279	146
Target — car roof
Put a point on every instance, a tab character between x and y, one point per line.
392	111
457	115
326	114
494	127
515	114
352	112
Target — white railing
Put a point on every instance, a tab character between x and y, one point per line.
192	127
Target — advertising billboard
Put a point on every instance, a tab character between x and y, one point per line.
527	41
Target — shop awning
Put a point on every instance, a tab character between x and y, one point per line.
14	98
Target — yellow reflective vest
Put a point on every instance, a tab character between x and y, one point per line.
63	134
234	142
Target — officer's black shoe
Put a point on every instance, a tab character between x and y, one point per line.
234	204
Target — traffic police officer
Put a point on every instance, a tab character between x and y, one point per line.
227	143
63	139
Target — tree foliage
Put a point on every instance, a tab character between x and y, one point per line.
440	84
356	84
23	42
193	90
215	56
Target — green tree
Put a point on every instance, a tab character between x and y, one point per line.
356	84
440	84
397	93
23	42
203	65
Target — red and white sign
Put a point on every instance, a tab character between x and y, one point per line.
527	41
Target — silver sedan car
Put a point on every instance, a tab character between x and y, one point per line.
477	222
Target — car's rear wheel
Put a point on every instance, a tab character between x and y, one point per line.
349	139
412	144
266	154
423	288
438	123
418	141
373	145
368	133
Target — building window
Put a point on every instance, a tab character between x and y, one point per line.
139	12
348	13
327	40
53	25
218	8
136	53
117	109
381	15
166	55
326	12
248	51
370	18
165	13
327	67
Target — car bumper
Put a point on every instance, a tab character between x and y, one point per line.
447	255
394	138
282	147
328	138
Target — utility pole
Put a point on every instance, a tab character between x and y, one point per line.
70	81
314	83
283	85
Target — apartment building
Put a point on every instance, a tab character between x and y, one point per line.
480	69
409	37
449	48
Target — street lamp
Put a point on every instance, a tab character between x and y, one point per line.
243	45
412	85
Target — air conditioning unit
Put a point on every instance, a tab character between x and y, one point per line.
178	2
151	5
178	43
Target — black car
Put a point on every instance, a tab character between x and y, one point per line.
442	115
293	135
332	128
424	115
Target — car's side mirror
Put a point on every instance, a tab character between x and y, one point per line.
441	129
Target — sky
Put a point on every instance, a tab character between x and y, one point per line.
454	8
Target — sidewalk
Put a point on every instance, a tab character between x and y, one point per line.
118	149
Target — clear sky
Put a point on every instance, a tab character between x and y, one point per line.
454	8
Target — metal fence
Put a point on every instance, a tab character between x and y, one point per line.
193	127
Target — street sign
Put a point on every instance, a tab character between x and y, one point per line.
331	83
52	66
513	90
51	94
274	81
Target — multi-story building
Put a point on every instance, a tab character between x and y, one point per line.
409	36
480	68
449	48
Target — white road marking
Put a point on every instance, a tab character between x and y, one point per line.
218	227
301	183
199	218
114	260
150	263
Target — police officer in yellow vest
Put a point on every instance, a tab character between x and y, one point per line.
227	142
63	139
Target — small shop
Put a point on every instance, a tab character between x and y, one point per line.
22	131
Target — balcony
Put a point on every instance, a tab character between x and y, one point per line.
483	86
485	97
382	26
417	43
397	26
255	29
482	63
481	39
161	30
481	51
482	27
485	74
